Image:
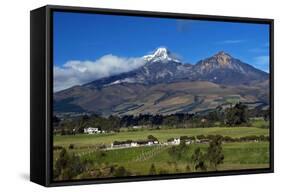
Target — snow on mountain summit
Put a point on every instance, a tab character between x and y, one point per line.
161	54
162	67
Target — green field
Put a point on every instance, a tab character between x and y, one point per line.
161	135
237	156
138	161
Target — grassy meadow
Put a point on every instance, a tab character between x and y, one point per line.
162	135
138	160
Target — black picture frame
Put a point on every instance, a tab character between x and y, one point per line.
41	58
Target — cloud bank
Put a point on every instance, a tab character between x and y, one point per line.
81	72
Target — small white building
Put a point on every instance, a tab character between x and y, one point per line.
188	142
175	141
150	142
92	130
130	143
137	127
203	141
121	144
134	144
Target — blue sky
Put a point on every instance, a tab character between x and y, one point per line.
88	37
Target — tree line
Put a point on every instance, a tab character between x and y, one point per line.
237	115
201	160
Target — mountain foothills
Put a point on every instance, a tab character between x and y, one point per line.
165	85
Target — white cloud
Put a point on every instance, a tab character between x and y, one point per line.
231	41
81	72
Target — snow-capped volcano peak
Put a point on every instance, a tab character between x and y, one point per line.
161	54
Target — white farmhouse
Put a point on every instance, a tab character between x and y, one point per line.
174	141
134	144
92	130
150	143
137	127
188	142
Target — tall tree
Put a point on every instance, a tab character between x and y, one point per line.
214	152
198	159
152	170
236	115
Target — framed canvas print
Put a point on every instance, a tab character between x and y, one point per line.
119	95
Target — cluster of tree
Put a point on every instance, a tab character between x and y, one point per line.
77	125
152	138
186	138
213	157
121	172
198	159
201	160
233	116
257	112
183	139
253	138
129	141
236	115
152	170
122	142
232	139
114	123
69	166
178	152
105	171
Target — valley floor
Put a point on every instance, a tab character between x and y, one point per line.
139	160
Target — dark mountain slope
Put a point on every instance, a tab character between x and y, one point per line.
164	85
